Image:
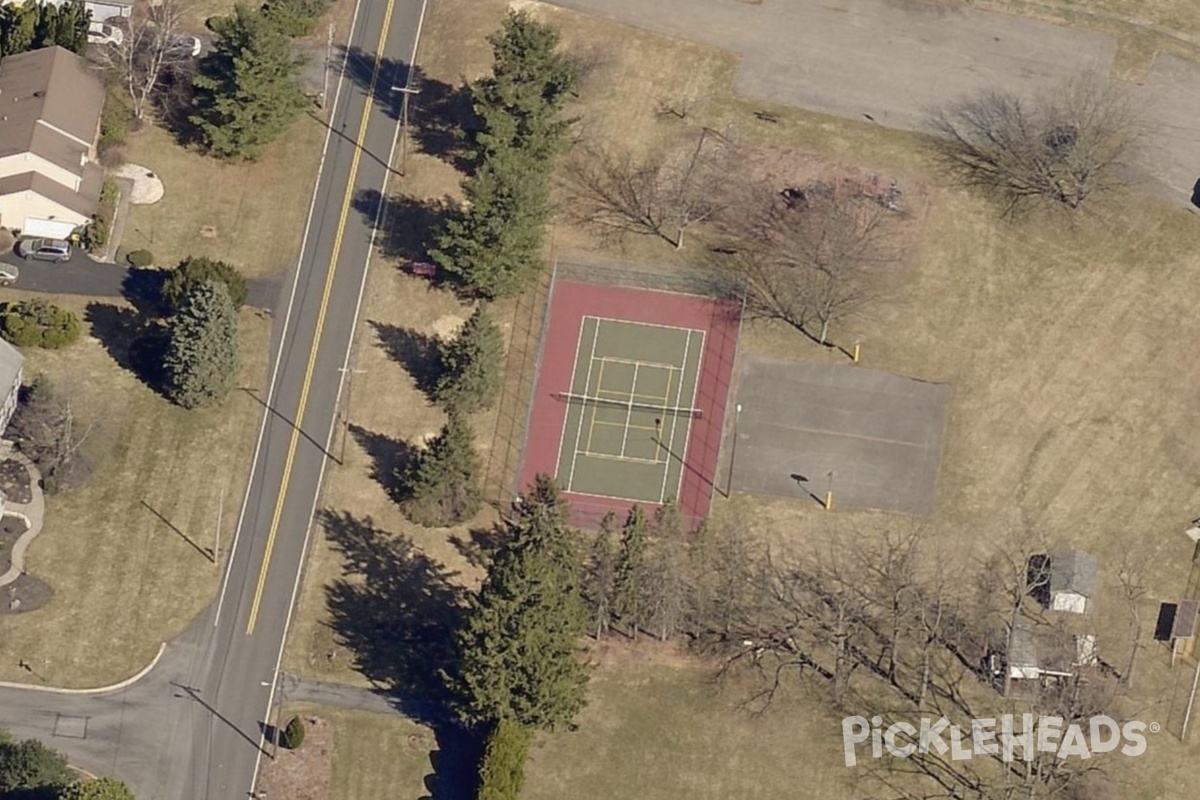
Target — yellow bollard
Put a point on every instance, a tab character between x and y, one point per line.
828	500
855	356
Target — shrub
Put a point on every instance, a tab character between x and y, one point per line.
36	323
295	18
293	734
196	270
140	258
502	770
114	120
97	233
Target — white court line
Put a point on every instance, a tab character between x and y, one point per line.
675	422
646	324
562	435
611	457
629	411
695	391
587	384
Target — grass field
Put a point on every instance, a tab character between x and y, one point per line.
124	581
250	215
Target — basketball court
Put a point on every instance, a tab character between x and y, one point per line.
629	410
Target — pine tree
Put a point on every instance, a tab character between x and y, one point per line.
471	364
247	92
628	588
65	26
519	104
494	245
519	656
29	768
442	481
18	27
502	769
600	578
201	361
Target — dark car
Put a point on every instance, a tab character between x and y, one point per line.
44	249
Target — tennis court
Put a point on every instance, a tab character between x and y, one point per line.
630	406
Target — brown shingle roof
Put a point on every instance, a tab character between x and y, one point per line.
44	90
82	202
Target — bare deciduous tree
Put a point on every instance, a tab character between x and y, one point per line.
663	194
47	429
148	50
1062	147
814	263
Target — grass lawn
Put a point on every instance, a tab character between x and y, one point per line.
251	215
124	580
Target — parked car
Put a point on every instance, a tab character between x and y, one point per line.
186	45
103	33
8	274
44	249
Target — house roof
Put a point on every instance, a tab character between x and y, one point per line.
1048	649
82	202
1073	571
49	103
10	365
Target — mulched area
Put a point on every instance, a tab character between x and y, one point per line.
14	481
11	529
26	593
302	774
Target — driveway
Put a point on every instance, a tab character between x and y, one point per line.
82	276
892	60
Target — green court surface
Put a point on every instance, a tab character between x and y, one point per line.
629	410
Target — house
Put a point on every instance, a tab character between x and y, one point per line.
50	107
11	366
1064	581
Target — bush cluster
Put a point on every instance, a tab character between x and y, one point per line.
36	323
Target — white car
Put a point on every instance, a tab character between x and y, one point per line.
187	45
103	33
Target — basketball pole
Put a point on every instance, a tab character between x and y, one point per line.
829	491
857	347
737	418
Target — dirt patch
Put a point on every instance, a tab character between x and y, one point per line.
618	650
26	593
14	481
447	326
305	773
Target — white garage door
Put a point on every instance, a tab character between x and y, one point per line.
47	228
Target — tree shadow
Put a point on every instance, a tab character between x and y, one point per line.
135	342
175	101
480	543
441	116
417	352
388	458
403	225
396	609
143	289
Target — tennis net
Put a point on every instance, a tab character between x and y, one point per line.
659	410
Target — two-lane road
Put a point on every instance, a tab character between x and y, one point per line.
193	728
259	590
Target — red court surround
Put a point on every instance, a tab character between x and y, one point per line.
570	301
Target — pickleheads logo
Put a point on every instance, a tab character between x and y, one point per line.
996	736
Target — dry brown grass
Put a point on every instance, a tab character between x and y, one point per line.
124	581
250	215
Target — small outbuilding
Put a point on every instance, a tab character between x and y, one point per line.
1064	581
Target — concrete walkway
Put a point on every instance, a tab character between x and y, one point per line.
33	512
892	60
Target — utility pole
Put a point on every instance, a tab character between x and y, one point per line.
348	372
328	66
407	90
217	531
737	418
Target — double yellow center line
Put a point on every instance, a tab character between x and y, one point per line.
316	344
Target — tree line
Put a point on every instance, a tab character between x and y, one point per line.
32	771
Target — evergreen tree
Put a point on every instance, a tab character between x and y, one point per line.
629	577
519	656
247	92
519	105
65	26
295	17
99	789
502	770
202	360
600	578
18	27
442	481
195	270
471	365
29	767
494	245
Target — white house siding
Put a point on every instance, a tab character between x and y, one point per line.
15	208
19	163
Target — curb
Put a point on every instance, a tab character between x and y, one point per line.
162	648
